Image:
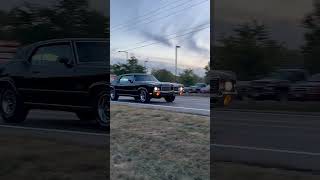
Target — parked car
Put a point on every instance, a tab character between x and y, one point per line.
196	88
143	87
205	89
306	90
276	85
63	74
223	87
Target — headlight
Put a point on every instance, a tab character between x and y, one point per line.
156	89
228	86
181	89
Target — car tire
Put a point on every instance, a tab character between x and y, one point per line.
113	95
144	97
102	109
170	98
11	106
86	116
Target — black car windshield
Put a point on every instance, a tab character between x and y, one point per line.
315	78
145	78
93	51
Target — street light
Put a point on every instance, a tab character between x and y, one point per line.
126	53
176	67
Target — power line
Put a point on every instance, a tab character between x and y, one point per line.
167	39
149	12
142	42
152	15
177	12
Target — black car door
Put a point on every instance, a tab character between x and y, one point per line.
51	79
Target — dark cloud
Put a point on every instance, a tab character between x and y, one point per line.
283	17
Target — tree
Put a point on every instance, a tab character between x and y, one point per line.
188	78
68	19
163	75
249	52
311	49
131	66
207	73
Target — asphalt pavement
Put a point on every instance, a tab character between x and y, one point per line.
184	104
57	125
277	140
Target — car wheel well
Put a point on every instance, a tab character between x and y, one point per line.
94	91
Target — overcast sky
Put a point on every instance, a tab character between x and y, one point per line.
283	17
151	21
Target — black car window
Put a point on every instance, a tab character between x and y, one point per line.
92	51
145	78
126	79
51	53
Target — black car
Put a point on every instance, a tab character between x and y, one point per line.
63	74
143	87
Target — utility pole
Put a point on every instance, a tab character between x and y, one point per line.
145	66
127	53
176	64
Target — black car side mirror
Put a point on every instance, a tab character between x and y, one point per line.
65	61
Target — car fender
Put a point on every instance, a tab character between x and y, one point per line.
143	88
98	86
7	81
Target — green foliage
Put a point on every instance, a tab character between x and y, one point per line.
188	78
249	52
207	73
311	49
163	75
131	66
69	18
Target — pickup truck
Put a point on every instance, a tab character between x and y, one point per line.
62	74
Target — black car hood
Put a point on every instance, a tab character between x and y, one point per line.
155	83
307	84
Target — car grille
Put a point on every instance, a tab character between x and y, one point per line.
166	88
176	88
214	85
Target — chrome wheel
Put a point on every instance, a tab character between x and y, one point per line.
143	96
112	94
103	109
9	102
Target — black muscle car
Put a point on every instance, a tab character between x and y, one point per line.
63	74
143	87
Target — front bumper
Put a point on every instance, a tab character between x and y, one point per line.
159	94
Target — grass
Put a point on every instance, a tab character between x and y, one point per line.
29	158
153	144
232	171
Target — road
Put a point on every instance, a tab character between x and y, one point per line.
184	104
57	125
283	140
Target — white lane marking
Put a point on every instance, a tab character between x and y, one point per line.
153	105
308	122
266	149
54	130
272	113
266	126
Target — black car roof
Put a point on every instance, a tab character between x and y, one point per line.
24	50
132	74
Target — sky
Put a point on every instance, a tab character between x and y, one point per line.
158	26
282	17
